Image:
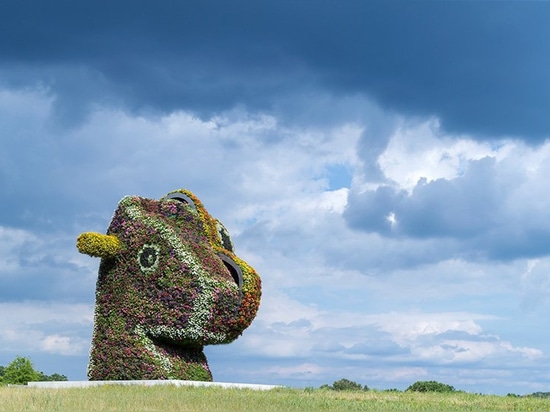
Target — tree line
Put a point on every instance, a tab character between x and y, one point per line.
21	371
419	386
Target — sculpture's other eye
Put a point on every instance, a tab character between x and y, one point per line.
182	198
223	236
148	257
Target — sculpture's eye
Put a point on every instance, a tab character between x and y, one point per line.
182	198
234	269
223	236
148	257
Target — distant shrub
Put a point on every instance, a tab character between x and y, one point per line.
430	386
348	385
56	377
540	395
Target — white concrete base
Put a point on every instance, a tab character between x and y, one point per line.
87	384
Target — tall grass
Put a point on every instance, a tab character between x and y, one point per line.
171	398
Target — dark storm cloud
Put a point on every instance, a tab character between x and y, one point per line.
480	66
482	209
460	207
35	268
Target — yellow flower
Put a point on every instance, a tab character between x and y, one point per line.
97	244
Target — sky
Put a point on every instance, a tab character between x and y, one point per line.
383	165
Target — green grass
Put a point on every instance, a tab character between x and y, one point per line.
204	399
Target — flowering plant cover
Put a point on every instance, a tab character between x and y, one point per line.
169	283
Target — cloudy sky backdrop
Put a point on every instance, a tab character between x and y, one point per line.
383	165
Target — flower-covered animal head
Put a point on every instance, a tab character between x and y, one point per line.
169	283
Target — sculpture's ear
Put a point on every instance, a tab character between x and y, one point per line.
98	245
182	197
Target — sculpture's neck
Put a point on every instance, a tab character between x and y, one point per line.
179	362
129	353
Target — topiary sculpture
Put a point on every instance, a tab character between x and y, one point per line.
169	283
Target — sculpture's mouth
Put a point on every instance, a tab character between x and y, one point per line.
171	346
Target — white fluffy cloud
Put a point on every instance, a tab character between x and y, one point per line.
31	327
420	150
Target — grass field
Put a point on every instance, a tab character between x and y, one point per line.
171	398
